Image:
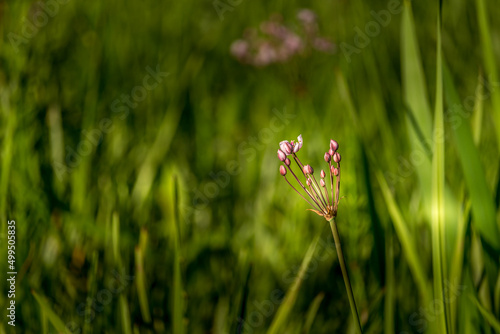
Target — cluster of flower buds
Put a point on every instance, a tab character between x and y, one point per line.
323	200
278	44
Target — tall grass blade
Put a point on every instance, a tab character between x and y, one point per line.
438	204
390	294
243	298
44	321
51	315
490	318
125	315
414	87
178	290
489	61
279	321
311	313
92	291
141	284
458	255
483	205
465	209
477	117
405	238
418	117
115	240
155	155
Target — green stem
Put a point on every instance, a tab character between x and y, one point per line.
347	282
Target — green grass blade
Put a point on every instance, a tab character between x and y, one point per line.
155	155
464	211
405	238
44	321
125	315
477	117
390	295
115	240
418	116
438	203
458	255
469	315
490	318
489	61
51	315
91	291
414	87
178	290
141	284
279	321
245	270
483	206
311	313
496	296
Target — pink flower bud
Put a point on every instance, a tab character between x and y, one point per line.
309	182
331	152
334	145
307	169
322	174
335	171
282	170
299	139
327	157
296	147
322	183
281	155
286	147
336	157
287	162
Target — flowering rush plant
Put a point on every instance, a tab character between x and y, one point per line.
324	201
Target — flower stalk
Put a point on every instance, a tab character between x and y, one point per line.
345	274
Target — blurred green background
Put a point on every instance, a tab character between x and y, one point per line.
168	214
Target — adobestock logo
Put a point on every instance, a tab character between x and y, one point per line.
221	7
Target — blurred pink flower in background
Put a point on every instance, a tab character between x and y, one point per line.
306	16
277	43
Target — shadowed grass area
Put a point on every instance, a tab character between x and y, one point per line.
138	161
